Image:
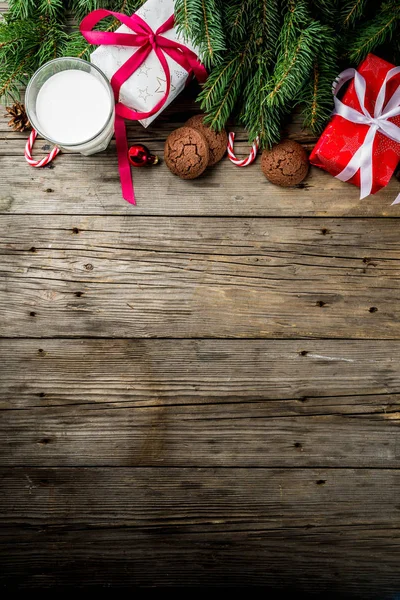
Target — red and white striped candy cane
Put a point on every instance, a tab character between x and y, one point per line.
28	152
245	161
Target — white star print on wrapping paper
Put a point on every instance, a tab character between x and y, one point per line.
162	86
386	172
144	94
144	70
352	143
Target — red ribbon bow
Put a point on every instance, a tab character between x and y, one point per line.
146	40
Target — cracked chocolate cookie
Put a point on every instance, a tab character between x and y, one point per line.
217	140
186	153
285	164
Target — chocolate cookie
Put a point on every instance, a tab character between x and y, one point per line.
285	164
217	140
186	153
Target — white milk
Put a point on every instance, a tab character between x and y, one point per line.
72	107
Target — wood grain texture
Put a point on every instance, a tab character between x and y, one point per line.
242	434
312	530
200	403
286	377
90	185
338	562
187	500
154	277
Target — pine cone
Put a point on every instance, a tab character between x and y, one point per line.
19	119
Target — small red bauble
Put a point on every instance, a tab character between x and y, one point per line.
139	156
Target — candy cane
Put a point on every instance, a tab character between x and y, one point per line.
28	152
246	161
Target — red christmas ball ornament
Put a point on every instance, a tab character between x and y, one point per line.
140	156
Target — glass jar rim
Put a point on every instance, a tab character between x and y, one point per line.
78	60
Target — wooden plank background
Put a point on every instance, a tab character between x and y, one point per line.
202	390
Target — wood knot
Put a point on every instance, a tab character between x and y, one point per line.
44	441
321	303
75	230
324	231
373	309
89	267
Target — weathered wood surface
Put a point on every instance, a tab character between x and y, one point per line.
90	185
312	530
147	277
289	377
197	500
338	562
201	403
248	435
244	460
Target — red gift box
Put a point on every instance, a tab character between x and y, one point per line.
342	138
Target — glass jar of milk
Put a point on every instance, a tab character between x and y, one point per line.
70	103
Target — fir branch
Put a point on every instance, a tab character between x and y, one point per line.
20	41
375	32
208	41
53	42
52	8
222	89
296	17
10	87
201	22
294	65
236	19
80	8
327	11
260	120
21	9
267	33
313	104
316	96
182	17
351	11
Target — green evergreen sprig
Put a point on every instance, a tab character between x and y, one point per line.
22	9
327	11
315	97
264	56
33	32
201	22
351	11
375	32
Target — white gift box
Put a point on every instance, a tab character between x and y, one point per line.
147	85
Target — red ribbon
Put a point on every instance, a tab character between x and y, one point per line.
146	40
